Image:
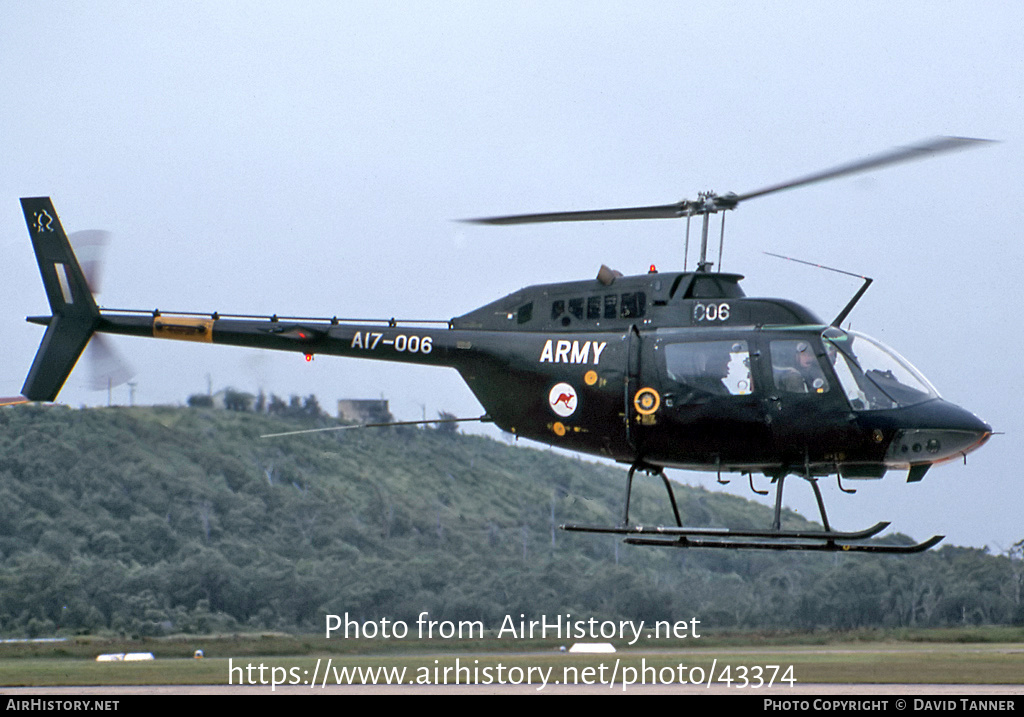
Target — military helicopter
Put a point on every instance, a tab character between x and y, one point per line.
660	370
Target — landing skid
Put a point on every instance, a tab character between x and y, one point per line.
826	540
771	542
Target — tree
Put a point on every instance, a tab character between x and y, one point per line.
446	426
237	400
277	406
312	407
200	400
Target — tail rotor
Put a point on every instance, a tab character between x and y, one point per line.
107	367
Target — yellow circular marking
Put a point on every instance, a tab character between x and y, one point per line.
590	378
558	428
646	401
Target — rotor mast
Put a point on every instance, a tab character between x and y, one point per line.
702	263
711	203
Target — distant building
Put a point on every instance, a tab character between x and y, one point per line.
364	411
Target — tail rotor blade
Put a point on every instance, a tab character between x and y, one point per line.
90	247
107	368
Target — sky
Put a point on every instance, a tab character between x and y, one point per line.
312	158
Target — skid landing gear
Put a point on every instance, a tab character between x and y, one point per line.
677	536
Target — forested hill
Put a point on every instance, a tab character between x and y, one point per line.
149	521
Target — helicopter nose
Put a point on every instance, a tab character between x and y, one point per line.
951	431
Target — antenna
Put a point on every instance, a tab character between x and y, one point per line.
856	297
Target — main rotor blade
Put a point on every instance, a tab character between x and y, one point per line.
661	211
899	155
709	203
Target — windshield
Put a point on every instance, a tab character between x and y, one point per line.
874	376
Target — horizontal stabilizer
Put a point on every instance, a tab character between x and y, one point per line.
63	343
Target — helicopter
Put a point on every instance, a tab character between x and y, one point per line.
655	371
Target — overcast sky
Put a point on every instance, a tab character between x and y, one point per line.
309	158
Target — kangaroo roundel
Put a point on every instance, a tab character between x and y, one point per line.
563	399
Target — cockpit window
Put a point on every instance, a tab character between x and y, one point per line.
720	368
873	376
795	367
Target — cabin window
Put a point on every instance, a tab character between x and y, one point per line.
630	305
611	303
633	305
706	287
525	313
713	287
557	308
576	308
719	368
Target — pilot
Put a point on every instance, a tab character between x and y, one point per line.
804	376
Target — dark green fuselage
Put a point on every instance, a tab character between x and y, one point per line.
582	365
673	369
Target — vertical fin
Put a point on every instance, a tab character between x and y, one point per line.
74	311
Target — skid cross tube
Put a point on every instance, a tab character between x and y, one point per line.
629	489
